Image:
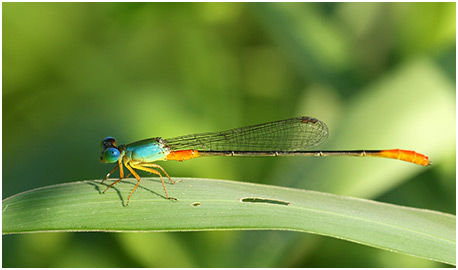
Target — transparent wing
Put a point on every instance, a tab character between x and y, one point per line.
295	134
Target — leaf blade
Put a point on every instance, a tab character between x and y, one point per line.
206	204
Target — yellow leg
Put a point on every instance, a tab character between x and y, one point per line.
142	166
121	175
112	184
152	165
108	175
121	170
136	176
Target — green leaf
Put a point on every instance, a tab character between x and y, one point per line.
206	204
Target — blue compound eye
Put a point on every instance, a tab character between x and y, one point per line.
111	155
108	142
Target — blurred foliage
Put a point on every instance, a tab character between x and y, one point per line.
381	75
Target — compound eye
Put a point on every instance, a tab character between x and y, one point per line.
108	142
111	155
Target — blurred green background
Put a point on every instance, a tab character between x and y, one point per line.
381	75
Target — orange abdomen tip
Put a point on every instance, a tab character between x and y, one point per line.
406	155
182	155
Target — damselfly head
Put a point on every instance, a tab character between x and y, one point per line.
110	152
108	142
110	155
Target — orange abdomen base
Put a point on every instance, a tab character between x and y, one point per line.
182	155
